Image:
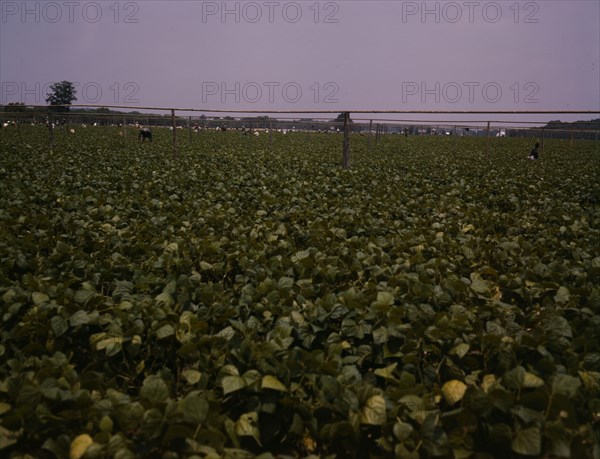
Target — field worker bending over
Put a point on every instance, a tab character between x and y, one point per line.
534	152
144	134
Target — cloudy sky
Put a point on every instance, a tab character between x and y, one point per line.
307	55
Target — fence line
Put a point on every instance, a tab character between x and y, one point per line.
346	119
440	112
124	115
504	123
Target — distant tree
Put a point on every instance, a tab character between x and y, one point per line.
63	93
340	118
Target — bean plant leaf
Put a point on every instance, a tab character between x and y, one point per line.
195	408
566	385
232	384
165	331
527	441
454	391
79	445
191	376
562	295
271	382
374	412
154	389
247	426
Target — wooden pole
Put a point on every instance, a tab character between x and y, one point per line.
190	127
346	145
542	140
487	135
174	127
370	129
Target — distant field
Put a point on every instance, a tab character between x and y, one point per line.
435	300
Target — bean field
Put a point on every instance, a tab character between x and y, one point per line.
439	299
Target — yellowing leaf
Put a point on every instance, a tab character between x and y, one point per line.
164	299
191	376
106	424
387	372
590	379
454	391
385	298
108	341
374	412
460	350
488	382
204	266
79	445
165	331
232	384
173	247
271	382
531	380
39	298
247	426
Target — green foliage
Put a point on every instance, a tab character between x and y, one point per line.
245	300
63	93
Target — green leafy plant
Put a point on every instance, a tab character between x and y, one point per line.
257	300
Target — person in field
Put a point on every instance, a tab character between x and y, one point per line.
145	134
534	154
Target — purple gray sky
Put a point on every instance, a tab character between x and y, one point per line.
308	55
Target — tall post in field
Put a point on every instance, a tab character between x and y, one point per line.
346	146
370	129
270	131
542	140
487	135
174	127
190	127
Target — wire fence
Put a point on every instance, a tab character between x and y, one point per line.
196	120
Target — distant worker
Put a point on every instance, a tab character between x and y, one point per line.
534	152
144	134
